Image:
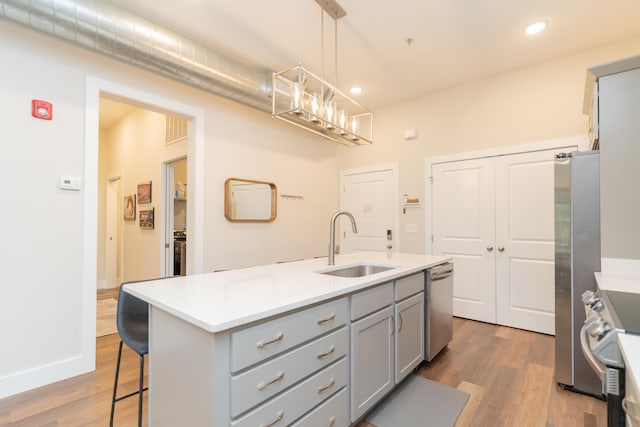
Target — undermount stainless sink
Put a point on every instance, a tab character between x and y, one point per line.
359	270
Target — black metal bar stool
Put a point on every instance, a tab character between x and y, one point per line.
133	328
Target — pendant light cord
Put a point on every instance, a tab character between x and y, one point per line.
335	40
335	46
322	40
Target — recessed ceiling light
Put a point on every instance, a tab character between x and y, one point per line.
355	90
535	28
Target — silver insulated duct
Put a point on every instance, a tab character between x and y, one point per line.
112	31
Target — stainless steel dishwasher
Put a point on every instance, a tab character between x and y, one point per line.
439	309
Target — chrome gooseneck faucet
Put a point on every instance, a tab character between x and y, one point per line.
332	233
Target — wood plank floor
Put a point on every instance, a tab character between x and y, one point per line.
507	372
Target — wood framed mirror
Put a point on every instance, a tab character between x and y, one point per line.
248	200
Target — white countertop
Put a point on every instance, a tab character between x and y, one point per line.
219	301
629	344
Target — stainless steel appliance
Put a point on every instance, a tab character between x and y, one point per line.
439	309
609	313
179	252
577	257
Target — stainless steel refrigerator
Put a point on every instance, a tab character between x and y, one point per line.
577	257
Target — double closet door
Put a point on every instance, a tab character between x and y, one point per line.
495	217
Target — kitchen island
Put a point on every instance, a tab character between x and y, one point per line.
211	335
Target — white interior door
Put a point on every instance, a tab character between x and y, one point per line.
371	196
113	206
463	228
525	241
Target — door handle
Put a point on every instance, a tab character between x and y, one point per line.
389	246
489	248
500	248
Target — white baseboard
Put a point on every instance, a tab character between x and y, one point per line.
621	268
42	375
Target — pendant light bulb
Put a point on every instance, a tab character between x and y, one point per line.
343	119
354	128
315	107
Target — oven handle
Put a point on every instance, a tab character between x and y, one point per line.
586	350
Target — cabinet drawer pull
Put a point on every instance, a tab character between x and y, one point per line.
332	421
265	384
401	322
279	416
278	337
328	319
328	386
323	355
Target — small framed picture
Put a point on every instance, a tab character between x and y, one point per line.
129	207
144	193
146	218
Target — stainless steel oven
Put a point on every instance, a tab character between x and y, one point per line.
179	253
609	314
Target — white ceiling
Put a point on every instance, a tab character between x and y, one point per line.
454	41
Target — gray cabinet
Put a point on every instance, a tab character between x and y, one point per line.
270	372
409	336
387	339
617	97
372	348
372	357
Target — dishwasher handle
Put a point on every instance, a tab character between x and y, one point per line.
441	272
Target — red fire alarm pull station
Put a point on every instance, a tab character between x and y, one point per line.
41	109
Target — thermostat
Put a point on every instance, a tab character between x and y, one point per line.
70	183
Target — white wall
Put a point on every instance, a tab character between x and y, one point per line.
44	321
264	151
537	103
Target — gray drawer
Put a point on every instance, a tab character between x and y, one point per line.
256	343
332	413
366	302
260	383
409	285
290	405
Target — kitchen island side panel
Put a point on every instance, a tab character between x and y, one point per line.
188	373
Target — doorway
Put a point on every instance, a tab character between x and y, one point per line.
175	189
493	214
134	144
371	195
86	362
113	233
